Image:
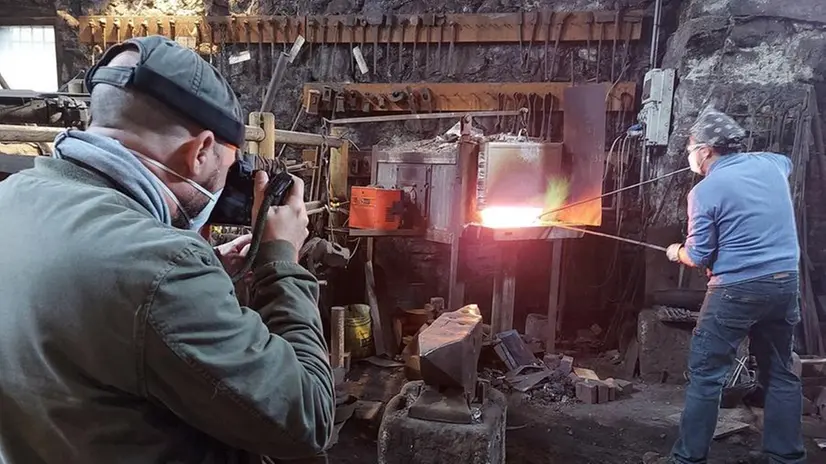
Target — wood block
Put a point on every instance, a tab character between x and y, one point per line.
586	373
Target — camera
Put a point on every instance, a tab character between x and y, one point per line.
234	206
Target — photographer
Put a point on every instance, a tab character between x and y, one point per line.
120	333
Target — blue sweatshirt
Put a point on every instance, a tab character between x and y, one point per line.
741	220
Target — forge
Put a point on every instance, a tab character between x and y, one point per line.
499	193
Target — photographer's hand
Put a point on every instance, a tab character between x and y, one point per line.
232	253
287	222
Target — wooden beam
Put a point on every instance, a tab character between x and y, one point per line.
553	296
470	28
9	133
504	291
477	96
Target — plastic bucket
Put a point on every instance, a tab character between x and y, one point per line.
358	331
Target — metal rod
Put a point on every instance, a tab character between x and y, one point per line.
275	82
406	117
614	237
655	34
633	186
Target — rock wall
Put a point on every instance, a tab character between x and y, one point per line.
757	59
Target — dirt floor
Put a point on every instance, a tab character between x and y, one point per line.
569	432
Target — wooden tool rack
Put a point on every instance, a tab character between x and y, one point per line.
535	27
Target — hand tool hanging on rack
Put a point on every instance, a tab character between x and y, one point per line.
617	27
260	60
103	37
440	23
287	33
172	29
364	25
390	21
116	27
454	30
550	118
350	22
248	36
533	23
144	28
327	74
602	18
429	20
198	36
131	26
323	48
500	106
520	100
544	120
556	45
159	27
415	21
533	114
223	38
548	31
311	24
520	24
94	42
402	24
274	32
377	21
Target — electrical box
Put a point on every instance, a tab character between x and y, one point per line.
657	101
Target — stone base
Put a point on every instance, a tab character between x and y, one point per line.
405	440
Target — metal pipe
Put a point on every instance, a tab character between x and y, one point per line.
420	116
614	237
633	186
275	82
655	34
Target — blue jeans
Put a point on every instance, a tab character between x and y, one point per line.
767	311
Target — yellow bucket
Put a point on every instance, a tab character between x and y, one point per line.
358	331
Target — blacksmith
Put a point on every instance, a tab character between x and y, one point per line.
742	231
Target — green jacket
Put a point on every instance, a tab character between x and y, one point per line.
122	341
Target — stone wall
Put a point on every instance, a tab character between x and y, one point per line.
757	59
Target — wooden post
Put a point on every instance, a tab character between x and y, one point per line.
339	167
504	291
337	336
266	121
553	297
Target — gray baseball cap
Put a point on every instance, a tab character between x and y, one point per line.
181	79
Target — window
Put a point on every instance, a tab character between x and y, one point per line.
28	60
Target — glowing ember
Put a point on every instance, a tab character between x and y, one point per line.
510	216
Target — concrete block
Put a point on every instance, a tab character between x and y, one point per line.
405	440
587	392
606	392
566	365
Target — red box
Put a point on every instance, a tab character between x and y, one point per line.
375	208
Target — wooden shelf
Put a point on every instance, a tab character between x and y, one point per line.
472	96
470	28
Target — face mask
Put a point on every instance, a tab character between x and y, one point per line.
198	221
694	160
